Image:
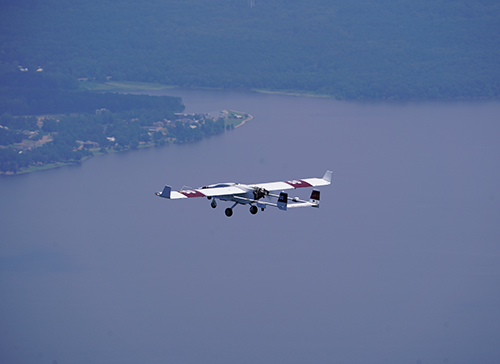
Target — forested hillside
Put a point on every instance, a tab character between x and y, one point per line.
45	120
346	48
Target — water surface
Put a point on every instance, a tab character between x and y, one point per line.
400	264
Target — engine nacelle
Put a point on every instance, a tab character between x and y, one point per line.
259	192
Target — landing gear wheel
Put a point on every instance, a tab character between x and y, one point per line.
253	210
213	204
229	212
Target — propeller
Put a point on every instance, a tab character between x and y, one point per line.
259	192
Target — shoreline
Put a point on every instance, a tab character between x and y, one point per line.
97	152
242	122
128	86
250	117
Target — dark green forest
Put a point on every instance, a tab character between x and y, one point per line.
25	93
375	49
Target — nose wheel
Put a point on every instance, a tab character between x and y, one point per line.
229	212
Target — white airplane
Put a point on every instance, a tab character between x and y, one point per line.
256	195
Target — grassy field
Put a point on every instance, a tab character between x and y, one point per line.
235	119
121	86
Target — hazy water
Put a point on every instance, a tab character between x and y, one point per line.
401	264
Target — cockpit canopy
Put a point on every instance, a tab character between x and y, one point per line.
220	185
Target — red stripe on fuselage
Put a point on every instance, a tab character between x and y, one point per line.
298	183
192	193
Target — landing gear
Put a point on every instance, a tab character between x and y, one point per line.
253	209
229	210
213	204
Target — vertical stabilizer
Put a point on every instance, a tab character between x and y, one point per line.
314	198
282	201
328	176
165	193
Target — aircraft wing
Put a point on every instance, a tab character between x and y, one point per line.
298	183
200	192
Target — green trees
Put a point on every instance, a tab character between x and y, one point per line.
72	125
354	49
9	137
17	101
72	134
79	121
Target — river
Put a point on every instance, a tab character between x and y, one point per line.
400	264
